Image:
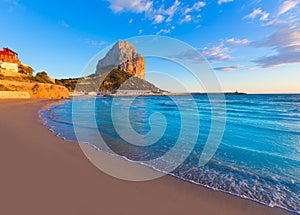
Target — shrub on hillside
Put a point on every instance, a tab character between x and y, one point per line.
41	77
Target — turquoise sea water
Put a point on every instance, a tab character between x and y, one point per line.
258	158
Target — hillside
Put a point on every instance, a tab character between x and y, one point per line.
38	86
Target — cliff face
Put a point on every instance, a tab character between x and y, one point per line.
48	91
123	56
24	85
35	90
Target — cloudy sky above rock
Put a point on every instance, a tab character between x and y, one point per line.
254	45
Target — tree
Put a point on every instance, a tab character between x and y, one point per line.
42	77
25	69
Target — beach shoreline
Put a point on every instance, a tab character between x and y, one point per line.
44	174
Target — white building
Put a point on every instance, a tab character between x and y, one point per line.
13	67
132	92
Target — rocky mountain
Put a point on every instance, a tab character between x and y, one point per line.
123	56
122	68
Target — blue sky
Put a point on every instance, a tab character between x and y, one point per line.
254	45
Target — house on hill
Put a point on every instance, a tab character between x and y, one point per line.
9	56
9	60
10	65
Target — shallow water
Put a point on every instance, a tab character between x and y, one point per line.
258	158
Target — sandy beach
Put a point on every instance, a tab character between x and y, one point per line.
43	174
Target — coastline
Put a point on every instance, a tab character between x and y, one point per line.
43	174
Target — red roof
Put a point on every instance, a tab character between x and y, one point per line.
7	51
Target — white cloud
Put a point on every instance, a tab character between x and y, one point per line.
220	51
169	19
188	10
251	68
254	14
136	6
130	21
228	68
169	13
140	31
224	1
171	10
158	19
258	13
199	5
264	16
158	13
189	55
187	18
287	6
163	31
196	7
216	53
238	42
285	42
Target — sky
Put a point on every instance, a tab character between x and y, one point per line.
253	46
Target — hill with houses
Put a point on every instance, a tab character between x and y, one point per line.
17	80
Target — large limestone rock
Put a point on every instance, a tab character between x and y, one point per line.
123	56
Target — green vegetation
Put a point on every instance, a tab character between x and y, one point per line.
114	80
26	70
68	83
41	77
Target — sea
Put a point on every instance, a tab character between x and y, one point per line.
257	156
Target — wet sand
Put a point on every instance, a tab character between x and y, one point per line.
43	174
